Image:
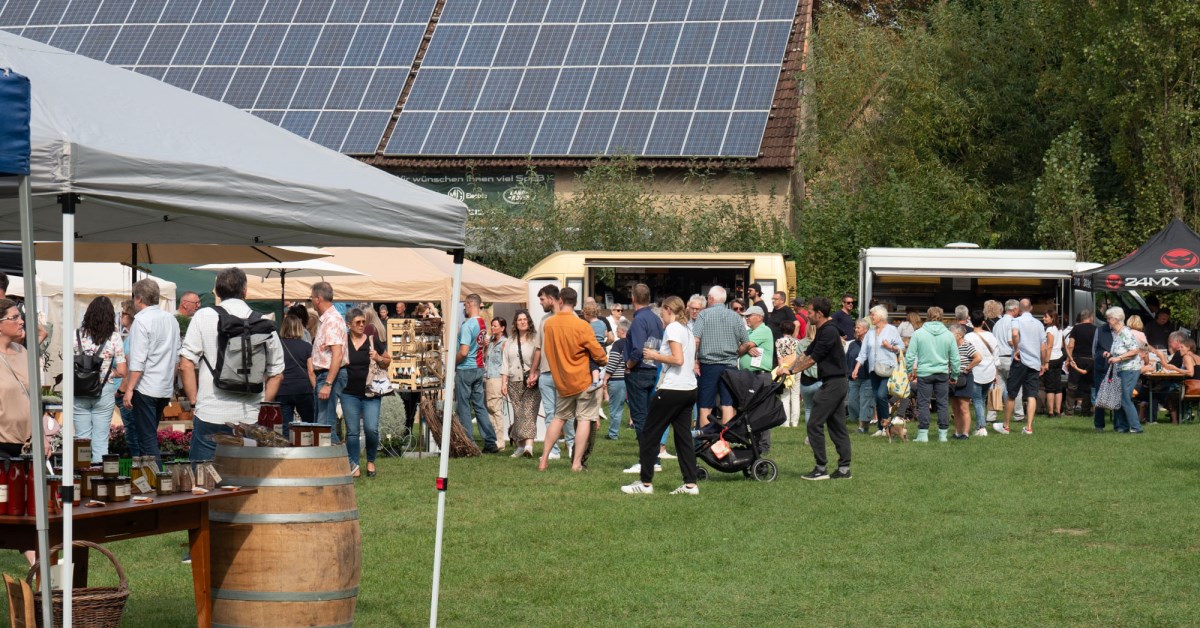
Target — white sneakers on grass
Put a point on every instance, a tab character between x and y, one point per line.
637	468
685	490
981	431
637	488
999	427
666	455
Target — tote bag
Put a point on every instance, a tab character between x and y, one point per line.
881	370
996	396
1109	394
898	384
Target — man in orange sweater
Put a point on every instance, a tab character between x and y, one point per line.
569	343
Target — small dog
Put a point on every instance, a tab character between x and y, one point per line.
895	429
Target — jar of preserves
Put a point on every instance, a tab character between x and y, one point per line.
85	480
111	465
302	434
322	435
53	498
101	486
121	488
77	493
83	453
166	485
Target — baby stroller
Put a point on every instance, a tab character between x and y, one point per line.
756	400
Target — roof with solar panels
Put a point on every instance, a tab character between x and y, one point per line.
447	83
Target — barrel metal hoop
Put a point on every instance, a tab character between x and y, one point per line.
338	480
282	453
283	596
315	517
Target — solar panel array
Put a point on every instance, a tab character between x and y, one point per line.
582	78
328	71
652	78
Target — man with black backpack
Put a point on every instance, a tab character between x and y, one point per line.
239	359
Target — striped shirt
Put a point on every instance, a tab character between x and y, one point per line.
616	361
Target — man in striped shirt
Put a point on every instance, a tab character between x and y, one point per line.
614	380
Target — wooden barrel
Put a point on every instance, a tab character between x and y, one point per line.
291	554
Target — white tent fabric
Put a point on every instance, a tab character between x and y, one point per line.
154	163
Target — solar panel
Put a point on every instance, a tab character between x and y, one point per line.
670	78
329	70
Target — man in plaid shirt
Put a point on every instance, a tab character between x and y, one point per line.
721	338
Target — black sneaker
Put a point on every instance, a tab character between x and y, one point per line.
838	475
816	474
491	449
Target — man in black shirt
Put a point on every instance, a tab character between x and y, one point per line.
843	319
1079	363
754	296
781	313
829	403
1158	331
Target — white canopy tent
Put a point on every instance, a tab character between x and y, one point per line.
121	157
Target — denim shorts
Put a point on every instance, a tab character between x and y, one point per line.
710	385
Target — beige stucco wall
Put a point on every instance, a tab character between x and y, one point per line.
769	190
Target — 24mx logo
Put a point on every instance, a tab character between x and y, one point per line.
1151	282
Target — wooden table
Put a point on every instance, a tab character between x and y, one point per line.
129	520
1154	378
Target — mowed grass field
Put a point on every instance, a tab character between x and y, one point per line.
1067	527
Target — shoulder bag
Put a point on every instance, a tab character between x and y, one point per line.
1109	394
881	370
521	361
898	384
378	383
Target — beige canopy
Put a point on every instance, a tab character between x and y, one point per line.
400	274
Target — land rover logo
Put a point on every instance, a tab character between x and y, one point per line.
516	196
1113	282
457	194
1179	258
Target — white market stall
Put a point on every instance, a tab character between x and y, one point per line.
120	157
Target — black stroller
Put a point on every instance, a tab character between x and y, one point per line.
756	400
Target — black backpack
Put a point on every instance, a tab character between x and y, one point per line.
241	352
88	381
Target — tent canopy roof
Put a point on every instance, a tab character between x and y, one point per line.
154	163
399	274
91	278
1169	260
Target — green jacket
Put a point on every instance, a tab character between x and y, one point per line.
933	350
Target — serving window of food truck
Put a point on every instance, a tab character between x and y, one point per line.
610	276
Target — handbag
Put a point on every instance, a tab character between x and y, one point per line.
996	397
1109	394
378	383
898	384
881	370
1191	389
521	359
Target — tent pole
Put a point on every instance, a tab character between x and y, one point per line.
447	416
29	271
66	574
132	265
282	296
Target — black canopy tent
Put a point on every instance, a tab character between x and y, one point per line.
1170	260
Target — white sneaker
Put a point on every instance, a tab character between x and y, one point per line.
518	453
554	455
684	490
879	433
981	431
636	468
636	488
665	456
999	427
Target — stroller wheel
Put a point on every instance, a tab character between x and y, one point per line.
764	470
701	474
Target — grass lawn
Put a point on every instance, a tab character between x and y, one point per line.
1068	527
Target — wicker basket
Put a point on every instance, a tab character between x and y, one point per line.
95	607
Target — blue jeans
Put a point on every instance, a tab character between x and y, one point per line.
1126	419
981	393
639	388
203	448
879	389
860	398
127	419
549	401
327	408
300	405
146	411
366	411
808	392
93	417
616	403
468	395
